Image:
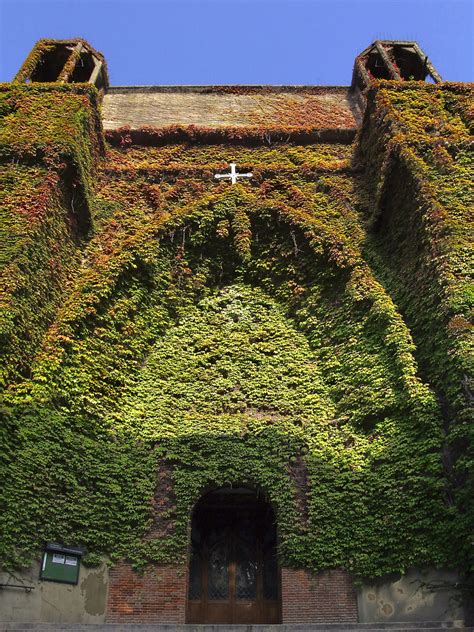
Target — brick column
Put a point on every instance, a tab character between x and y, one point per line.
326	597
158	595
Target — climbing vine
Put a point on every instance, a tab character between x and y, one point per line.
416	145
208	334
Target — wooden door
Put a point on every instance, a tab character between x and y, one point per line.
234	576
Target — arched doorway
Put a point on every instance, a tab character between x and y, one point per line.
233	569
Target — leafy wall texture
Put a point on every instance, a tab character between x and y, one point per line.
306	332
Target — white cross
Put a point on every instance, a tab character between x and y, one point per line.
233	175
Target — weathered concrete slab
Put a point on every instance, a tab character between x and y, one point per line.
228	106
418	595
53	601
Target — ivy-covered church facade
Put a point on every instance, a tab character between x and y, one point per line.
235	399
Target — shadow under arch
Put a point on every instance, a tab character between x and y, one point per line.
234	575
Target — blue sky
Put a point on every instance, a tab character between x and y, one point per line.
239	41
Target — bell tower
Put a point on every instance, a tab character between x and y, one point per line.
64	61
392	60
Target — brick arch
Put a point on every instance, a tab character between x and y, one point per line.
159	594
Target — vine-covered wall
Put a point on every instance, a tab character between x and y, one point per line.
210	334
49	144
416	145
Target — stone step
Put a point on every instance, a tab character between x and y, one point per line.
423	626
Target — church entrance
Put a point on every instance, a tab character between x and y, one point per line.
233	570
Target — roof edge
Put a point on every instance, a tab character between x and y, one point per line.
230	89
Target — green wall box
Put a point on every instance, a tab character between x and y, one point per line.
61	564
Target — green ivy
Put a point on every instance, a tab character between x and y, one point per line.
210	334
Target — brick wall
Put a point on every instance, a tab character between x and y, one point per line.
156	596
326	597
159	596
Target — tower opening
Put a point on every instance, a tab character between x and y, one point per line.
233	569
51	63
410	65
83	69
376	66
